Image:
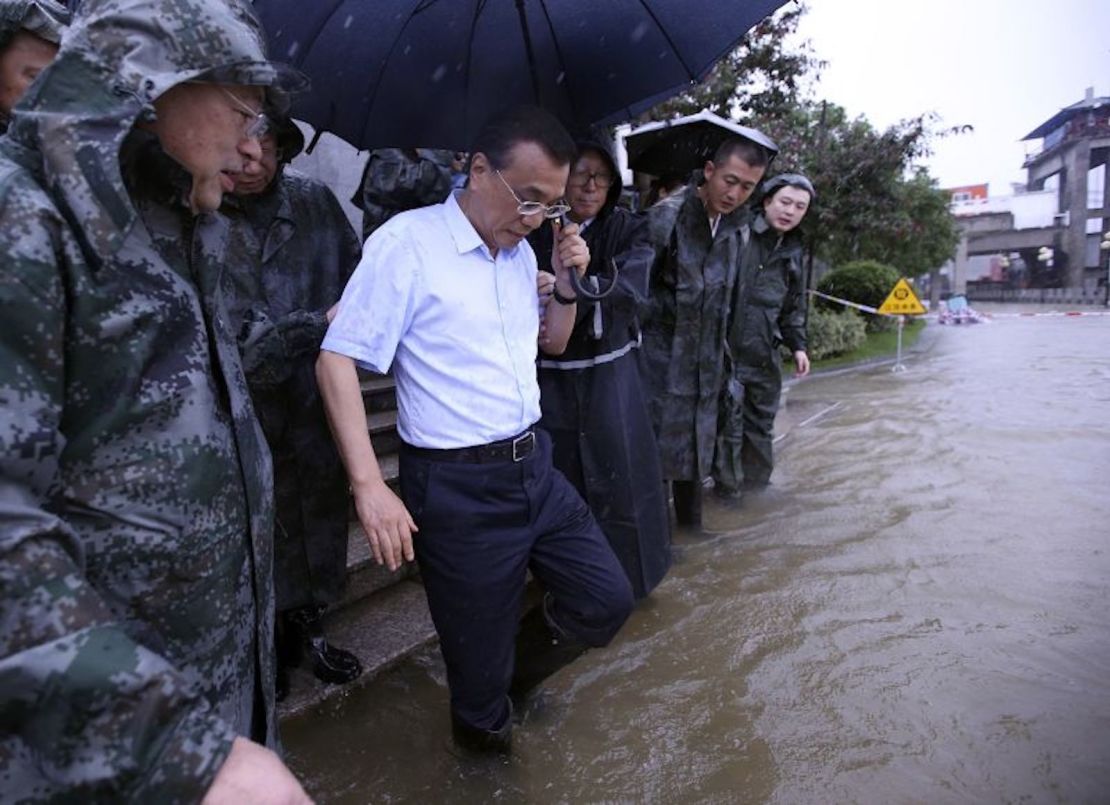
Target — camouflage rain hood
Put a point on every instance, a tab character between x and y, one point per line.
43	18
136	602
117	60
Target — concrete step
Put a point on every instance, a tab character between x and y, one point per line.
379	392
382	630
383	431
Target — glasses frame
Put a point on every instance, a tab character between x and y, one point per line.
258	123
595	177
529	208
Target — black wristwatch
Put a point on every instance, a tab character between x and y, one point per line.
563	300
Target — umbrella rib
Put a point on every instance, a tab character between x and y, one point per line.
562	62
674	48
479	7
381	73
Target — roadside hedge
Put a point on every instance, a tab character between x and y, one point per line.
831	333
866	282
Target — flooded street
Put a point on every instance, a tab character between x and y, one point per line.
915	611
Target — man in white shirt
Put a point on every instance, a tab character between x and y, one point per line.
447	295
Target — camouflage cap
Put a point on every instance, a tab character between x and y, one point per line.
43	18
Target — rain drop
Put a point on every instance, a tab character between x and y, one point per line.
559	78
293	50
347	23
439	73
408	49
639	32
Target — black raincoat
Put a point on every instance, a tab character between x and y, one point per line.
768	310
297	251
593	402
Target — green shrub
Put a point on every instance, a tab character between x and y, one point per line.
866	282
830	333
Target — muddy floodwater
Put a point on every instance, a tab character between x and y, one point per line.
915	611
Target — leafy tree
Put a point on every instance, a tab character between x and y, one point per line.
873	199
762	77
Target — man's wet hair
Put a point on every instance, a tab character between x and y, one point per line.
752	153
524	124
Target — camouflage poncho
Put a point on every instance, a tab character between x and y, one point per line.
135	490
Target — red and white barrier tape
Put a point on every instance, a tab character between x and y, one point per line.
1020	315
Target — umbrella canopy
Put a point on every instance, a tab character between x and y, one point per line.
430	73
676	147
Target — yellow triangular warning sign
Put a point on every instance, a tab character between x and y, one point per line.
902	301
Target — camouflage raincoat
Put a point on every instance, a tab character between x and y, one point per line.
135	488
293	253
43	18
684	328
399	179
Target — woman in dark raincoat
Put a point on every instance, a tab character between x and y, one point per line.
592	401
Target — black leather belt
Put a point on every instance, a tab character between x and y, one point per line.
517	448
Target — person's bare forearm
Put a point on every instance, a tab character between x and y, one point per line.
384	518
338	381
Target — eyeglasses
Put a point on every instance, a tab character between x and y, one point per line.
257	122
582	178
528	208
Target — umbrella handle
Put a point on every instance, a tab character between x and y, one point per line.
594	296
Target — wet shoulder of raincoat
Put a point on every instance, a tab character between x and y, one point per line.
309	253
118	561
396	180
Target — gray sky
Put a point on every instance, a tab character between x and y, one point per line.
1004	66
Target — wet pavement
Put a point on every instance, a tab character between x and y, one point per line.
915	611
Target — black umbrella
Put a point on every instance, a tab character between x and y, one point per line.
429	73
676	147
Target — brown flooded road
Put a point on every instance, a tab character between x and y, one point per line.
916	611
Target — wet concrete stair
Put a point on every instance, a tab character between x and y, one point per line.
383	617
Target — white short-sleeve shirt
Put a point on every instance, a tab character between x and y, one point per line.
458	326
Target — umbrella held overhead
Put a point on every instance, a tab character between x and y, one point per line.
429	73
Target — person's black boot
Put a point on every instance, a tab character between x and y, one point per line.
484	742
329	664
687	502
542	648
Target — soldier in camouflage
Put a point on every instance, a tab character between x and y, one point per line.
135	485
698	235
399	179
293	252
30	31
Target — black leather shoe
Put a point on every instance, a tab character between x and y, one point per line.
333	665
484	742
329	664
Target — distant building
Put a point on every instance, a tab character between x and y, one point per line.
1073	155
1045	234
971	192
